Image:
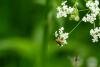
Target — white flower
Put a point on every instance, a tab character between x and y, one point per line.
95	10
92	62
95	39
89	4
64	10
96	2
70	10
61	36
95	33
61	30
76	61
89	18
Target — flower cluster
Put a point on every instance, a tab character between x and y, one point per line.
76	61
89	18
92	62
64	10
95	33
95	10
61	37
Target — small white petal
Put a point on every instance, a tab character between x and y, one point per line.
56	34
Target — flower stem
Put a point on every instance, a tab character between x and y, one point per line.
45	36
75	27
99	19
84	10
94	24
75	4
77	24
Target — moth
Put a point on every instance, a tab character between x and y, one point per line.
59	41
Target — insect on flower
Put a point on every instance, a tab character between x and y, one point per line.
61	37
59	41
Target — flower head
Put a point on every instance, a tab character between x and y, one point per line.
95	10
61	36
92	62
95	33
89	18
64	10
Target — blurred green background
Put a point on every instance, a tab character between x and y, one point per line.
27	35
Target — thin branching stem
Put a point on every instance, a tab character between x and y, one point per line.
75	3
75	27
94	24
83	10
77	24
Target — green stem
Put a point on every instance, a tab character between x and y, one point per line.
99	19
44	46
75	27
75	4
45	36
94	24
84	10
